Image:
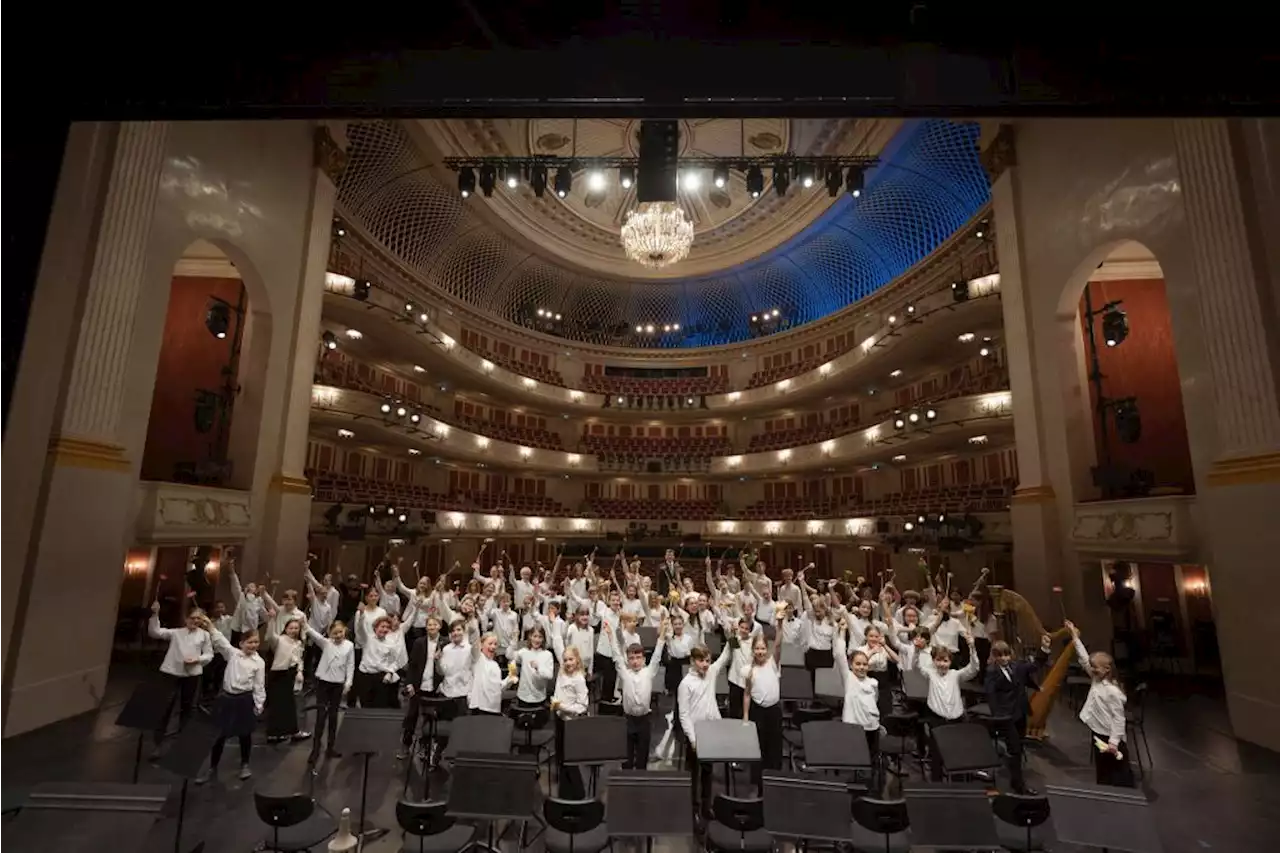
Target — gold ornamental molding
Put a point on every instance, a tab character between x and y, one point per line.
1034	494
83	453
290	485
1000	154
1246	470
329	156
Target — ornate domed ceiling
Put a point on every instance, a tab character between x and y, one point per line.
730	226
805	253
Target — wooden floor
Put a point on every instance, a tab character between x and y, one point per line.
1209	791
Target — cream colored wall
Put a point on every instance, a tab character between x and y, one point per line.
1078	190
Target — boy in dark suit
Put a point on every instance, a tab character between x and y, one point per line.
422	681
1006	686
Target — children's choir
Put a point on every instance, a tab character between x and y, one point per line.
568	642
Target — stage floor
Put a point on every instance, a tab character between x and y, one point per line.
1209	791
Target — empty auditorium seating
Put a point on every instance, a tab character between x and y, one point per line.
674	387
660	509
331	487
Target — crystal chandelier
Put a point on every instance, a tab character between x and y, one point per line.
657	234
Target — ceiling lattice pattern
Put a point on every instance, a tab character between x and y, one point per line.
930	183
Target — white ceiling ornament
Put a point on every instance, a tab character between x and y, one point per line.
657	234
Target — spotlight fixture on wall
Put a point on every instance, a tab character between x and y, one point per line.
1128	420
538	179
1115	326
361	289
755	181
626	176
854	181
960	290
466	181
329	340
563	181
488	179
217	318
720	176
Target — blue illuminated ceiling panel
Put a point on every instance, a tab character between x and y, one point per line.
928	184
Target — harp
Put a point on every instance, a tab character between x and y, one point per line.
1022	629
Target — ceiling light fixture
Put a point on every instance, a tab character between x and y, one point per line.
657	234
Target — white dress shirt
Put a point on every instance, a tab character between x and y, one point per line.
944	697
389	601
766	683
362	630
521	592
428	682
571	696
323	611
337	660
506	627
536	668
791	593
183	644
245	672
381	656
741	655
636	685
679	646
697	696
818	634
486	686
861	695
947	634
608	621
584	640
456	669
1103	710
287	654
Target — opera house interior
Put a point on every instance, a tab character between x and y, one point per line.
786	382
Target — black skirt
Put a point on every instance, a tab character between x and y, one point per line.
815	659
675	668
233	714
282	709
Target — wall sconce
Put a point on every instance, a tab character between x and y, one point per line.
783	385
735	396
728	526
576	396
440	429
447	341
529	383
534	523
575	459
457	519
493	522
733	461
828	446
338	283
784	455
816	527
482	441
486	365
772	527
825	369
324	395
580	524
526	452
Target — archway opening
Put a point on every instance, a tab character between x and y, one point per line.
213	348
1129	380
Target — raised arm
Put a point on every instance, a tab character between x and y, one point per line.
319	639
153	624
655	660
1082	654
840	651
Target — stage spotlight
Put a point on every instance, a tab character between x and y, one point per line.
1115	327
931	414
834	180
781	179
402	518
899	423
332	514
385	408
330	340
626	177
853	181
960	290
538	180
361	289
755	181
564	181
1128	421
804	173
914	417
217	319
511	177
488	179
720	176
596	181
466	181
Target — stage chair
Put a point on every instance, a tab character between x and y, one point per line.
1018	818
297	822
575	826
434	830
738	826
899	740
880	825
793	739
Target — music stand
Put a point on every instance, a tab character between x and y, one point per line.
480	734
648	803
1104	817
594	741
795	685
185	758
366	732
841	745
147	709
965	748
801	808
648	637
726	742
951	817
73	817
828	687
914	684
490	788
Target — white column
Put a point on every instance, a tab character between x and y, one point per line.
96	389
1227	263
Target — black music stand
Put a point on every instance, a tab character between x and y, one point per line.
648	803
71	817
367	732
593	742
965	748
802	808
491	788
841	746
951	817
431	713
1104	817
795	685
648	637
185	758
484	734
727	742
146	710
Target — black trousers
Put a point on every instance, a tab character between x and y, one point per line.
769	732
1011	732
639	735
884	692
701	776
184	689
328	702
282	708
310	660
816	659
246	746
1111	768
607	671
735	700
